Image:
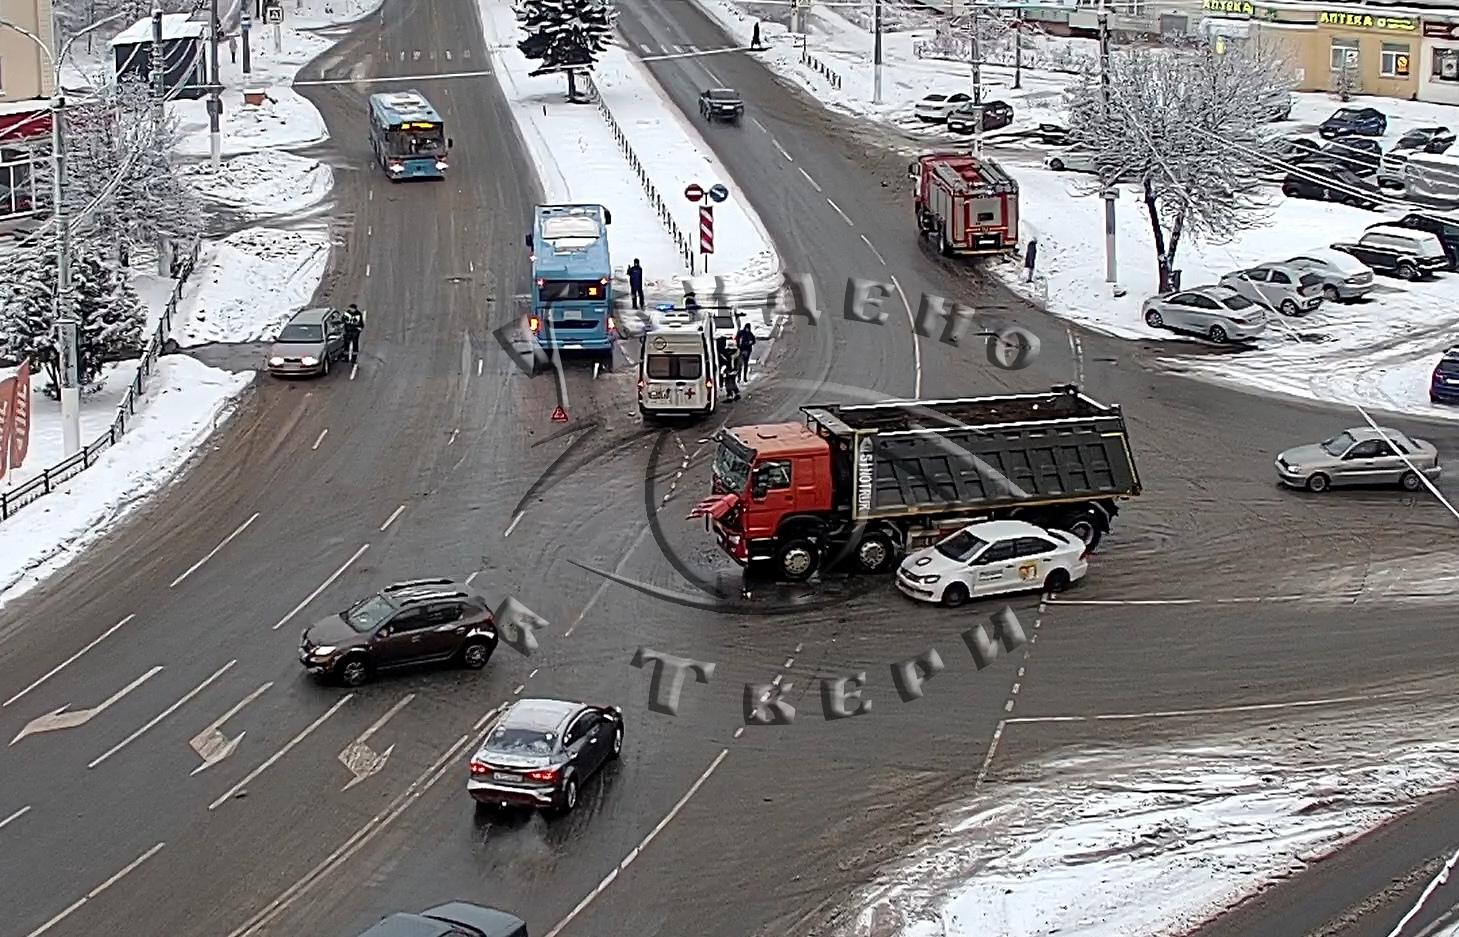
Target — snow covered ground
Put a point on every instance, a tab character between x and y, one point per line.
579	160
250	283
266	182
1139	843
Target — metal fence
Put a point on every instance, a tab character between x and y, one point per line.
666	217
46	482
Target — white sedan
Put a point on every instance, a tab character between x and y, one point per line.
991	558
936	107
1071	160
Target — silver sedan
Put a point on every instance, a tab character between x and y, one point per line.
1215	312
1360	456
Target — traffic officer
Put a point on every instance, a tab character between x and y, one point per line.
354	324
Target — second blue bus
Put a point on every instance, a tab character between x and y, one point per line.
407	136
572	278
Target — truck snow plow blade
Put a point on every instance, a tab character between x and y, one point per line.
714	508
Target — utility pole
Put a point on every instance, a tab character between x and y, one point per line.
977	56
1110	190
159	77
66	324
244	22
1018	49
215	95
876	53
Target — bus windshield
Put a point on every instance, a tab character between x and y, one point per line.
417	142
567	291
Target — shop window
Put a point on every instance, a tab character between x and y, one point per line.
1446	65
1393	60
1344	54
17	182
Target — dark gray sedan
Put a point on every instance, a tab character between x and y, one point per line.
456	919
1360	456
311	342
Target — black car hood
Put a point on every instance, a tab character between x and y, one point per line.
331	630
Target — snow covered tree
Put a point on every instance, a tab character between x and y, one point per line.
565	35
1189	129
108	310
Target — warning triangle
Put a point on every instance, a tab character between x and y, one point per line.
559	415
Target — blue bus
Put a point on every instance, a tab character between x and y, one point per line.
407	136
572	278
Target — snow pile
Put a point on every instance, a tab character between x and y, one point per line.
184	402
269	182
250	283
1127	843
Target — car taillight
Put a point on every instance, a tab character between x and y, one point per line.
1238	321
611	324
479	770
533	324
642	383
547	774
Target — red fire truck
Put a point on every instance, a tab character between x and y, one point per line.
966	205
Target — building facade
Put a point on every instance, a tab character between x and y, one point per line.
1438	63
27	83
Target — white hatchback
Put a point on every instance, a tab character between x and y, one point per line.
991	558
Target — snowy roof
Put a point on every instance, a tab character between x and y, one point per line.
174	26
402	106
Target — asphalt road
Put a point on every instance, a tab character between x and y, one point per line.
702	826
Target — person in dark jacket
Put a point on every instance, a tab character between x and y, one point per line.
691	303
745	339
730	369
354	324
635	284
755	38
1030	259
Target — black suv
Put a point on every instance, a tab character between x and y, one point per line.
1330	182
721	104
1442	226
423	621
1357	154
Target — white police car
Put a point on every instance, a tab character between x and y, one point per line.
991	558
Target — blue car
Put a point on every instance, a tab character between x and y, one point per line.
1354	121
1444	388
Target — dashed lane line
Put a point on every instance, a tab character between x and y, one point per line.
814	184
14	816
354	369
322	586
844	217
214	552
276	756
776	143
163	715
392	518
96	892
69	661
763	129
1234	600
872	247
320	438
515	521
992	752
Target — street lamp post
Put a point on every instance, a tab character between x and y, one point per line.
67	327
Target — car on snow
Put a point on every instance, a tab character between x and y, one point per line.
935	107
309	344
1426	139
1360	456
1358	154
1344	277
1074	159
1215	312
1399	252
1442	225
541	751
1278	287
993	558
996	116
721	104
1444	384
1354	121
1326	181
1279	107
454	919
422	621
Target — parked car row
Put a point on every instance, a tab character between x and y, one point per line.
960	113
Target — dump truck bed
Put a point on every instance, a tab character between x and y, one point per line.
977	454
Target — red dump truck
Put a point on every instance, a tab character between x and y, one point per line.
866	483
966	205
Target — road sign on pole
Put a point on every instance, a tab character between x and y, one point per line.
718	192
706	229
273	14
693	192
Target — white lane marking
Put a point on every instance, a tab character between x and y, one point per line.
1221	710
645	47
489	716
391	519
987	764
362	837
68	718
712	76
844	217
756	122
867	241
519	688
324	585
515	521
14	816
679	49
369	231
362	760
479	364
787	156
164	714
354	369
916	339
1235	600
273	759
317	440
814	184
596	366
638	850
372	195
69	661
473	576
367	269
454	433
211	745
603	586
96	892
680	55
214	552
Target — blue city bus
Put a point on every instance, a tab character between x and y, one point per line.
572	278
408	136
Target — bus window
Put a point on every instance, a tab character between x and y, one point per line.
564	291
674	367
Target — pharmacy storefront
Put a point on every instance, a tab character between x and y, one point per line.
1438	78
1364	53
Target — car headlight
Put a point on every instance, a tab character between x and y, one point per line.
310	361
324	651
931	579
276	361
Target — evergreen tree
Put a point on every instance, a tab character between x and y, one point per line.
565	35
107	308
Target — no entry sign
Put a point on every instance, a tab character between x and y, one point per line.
693	192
